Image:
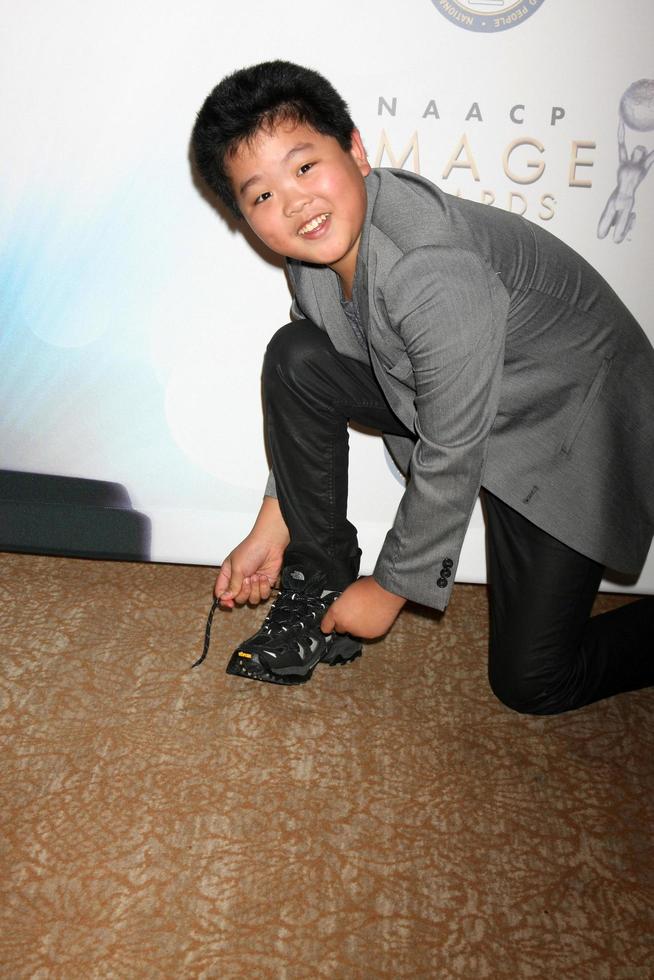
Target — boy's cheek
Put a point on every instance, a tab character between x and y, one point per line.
262	232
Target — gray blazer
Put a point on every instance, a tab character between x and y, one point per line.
515	367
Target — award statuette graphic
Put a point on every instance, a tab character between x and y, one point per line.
636	112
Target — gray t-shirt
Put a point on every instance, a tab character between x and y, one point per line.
352	313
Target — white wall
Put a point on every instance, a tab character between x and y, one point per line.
134	318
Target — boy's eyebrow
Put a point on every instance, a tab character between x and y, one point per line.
299	148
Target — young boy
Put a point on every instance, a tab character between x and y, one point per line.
489	354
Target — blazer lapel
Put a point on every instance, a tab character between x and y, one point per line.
327	296
363	276
387	354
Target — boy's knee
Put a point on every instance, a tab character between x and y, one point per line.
291	348
513	696
528	694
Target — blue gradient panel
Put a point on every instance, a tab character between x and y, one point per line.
79	394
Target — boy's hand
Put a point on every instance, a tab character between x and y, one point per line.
364	609
253	567
248	574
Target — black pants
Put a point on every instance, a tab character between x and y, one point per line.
545	654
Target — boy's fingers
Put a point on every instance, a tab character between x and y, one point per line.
224	575
231	586
328	621
255	591
236	585
243	594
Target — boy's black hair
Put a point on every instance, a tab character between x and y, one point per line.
258	98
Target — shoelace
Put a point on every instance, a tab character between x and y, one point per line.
277	620
207	634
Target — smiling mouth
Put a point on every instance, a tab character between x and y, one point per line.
313	224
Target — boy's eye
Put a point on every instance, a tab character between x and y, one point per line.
262	197
305	167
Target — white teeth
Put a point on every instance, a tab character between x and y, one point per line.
313	224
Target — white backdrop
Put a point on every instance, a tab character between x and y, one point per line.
128	351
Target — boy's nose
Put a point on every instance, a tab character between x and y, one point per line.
296	202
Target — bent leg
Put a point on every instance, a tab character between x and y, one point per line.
546	654
310	393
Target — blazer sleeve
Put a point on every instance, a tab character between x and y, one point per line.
449	311
401	450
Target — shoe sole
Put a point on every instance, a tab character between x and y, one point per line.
341	650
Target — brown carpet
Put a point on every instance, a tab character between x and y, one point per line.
389	819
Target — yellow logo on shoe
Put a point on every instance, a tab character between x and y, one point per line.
247	656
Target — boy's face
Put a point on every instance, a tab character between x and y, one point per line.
303	195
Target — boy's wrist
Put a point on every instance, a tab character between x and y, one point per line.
391	598
269	519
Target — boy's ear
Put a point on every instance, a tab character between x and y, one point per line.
358	151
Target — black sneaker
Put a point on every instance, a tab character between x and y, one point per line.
290	643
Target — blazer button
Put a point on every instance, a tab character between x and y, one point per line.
442	583
448	563
445	571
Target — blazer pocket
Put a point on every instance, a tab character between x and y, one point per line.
587	404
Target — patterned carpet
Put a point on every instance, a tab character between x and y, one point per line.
390	819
